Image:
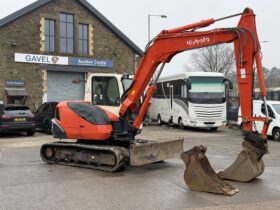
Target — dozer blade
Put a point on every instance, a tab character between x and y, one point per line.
146	151
248	164
200	176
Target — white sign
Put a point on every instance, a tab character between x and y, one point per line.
43	59
243	73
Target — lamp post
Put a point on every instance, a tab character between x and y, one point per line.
149	24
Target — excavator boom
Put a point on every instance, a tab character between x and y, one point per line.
171	42
199	174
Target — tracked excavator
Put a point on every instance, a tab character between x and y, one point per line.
104	141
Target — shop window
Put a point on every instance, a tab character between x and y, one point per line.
83	39
49	35
66	33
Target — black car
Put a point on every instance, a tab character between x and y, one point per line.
16	118
44	115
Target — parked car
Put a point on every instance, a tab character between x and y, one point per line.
274	114
16	118
44	115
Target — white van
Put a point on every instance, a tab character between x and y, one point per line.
274	113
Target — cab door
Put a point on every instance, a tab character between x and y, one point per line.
106	93
259	125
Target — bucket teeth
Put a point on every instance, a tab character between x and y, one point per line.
200	176
247	166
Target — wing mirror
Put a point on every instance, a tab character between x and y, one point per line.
189	84
125	76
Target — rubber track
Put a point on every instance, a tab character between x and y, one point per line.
121	155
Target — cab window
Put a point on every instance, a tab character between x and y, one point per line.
105	91
126	83
270	112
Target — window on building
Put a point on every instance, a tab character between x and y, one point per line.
83	39
49	35
66	33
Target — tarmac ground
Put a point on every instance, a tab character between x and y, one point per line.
26	182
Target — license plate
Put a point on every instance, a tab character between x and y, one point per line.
20	119
209	125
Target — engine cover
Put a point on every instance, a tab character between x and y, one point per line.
81	120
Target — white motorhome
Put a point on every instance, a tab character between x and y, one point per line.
105	90
259	111
195	99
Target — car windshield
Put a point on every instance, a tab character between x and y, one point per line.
207	90
276	107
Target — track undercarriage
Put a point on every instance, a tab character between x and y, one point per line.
109	158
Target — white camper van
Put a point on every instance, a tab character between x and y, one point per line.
274	113
195	99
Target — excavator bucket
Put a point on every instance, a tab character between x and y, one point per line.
200	176
248	164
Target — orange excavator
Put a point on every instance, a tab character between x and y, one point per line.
108	142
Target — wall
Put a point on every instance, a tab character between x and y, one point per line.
24	33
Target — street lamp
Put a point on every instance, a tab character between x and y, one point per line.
149	23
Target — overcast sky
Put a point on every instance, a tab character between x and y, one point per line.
131	17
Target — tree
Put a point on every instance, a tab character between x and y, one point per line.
217	58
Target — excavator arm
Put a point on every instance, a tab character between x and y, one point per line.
199	174
171	42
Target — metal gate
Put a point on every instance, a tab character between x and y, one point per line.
65	86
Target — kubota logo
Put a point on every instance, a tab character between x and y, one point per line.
194	42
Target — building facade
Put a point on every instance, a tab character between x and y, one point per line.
48	48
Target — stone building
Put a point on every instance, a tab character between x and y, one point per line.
48	48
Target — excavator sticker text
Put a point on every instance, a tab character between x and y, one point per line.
198	41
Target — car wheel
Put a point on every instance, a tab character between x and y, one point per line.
276	134
159	121
214	129
180	123
48	128
30	132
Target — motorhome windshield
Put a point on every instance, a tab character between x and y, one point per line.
207	90
277	108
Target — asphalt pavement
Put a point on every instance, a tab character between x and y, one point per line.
26	182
